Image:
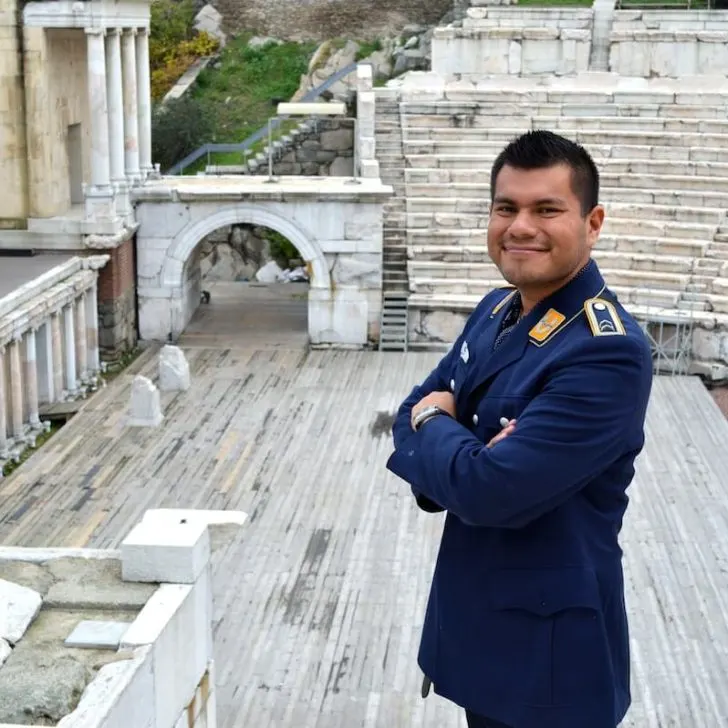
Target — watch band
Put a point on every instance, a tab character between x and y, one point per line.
427	414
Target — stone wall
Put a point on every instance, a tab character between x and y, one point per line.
514	41
117	302
57	99
323	19
654	43
13	170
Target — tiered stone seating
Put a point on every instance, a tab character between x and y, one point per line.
663	159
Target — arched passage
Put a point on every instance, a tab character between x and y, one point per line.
174	312
184	243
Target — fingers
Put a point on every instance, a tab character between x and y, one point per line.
509	427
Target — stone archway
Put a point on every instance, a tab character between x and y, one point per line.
336	227
185	242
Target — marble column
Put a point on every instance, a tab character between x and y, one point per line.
131	119
80	334
16	390
114	92
92	329
3	406
99	195
70	341
31	379
57	356
144	102
46	383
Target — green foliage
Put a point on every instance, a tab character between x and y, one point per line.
178	128
174	44
281	248
239	93
367	47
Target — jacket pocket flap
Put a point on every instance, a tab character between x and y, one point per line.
544	591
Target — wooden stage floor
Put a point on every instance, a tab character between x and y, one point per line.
320	598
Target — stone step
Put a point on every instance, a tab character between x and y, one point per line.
465	255
646	245
613	224
444	274
468	114
588	135
474	96
659	167
615	193
481	206
647	294
632	180
476	148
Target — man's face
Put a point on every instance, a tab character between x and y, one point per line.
537	235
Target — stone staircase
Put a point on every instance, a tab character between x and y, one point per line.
394	319
663	159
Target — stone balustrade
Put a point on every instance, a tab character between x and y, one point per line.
48	346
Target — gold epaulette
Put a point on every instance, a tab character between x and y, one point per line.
603	318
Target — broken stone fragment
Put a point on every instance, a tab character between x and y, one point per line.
18	608
5	651
174	371
145	409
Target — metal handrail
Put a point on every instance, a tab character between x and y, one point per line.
256	136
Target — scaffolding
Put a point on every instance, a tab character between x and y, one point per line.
670	333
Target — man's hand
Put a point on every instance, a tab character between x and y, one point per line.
443	400
507	430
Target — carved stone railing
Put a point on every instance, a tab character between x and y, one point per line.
49	349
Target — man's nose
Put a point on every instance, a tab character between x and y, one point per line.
522	225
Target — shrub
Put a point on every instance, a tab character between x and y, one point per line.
179	127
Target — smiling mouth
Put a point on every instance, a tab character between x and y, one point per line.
523	249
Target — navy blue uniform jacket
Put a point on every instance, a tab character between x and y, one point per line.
526	620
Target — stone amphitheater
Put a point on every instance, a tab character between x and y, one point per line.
644	91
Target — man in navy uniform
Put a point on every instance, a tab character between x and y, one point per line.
526	433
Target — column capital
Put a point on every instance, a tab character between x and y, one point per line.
129	31
94	31
114	31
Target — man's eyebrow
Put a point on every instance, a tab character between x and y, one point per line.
543	201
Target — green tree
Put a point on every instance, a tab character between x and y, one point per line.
179	127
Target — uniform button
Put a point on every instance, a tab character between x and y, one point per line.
475	419
452	385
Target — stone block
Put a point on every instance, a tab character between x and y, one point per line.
174	371
174	553
18	608
5	651
121	695
170	624
97	635
145	409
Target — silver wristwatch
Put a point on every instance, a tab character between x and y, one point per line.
427	414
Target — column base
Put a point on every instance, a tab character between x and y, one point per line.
122	201
100	204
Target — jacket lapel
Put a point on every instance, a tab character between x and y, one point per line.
536	329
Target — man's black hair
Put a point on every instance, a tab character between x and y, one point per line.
541	149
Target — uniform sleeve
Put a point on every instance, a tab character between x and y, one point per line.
565	436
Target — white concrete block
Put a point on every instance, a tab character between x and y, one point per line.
145	409
97	635
170	623
174	371
18	608
175	553
5	651
120	695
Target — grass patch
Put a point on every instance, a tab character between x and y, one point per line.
43	437
240	93
367	47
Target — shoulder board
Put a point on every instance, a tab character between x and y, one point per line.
504	300
603	318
